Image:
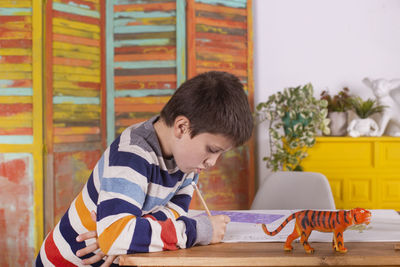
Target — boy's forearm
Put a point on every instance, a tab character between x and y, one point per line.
204	230
203	225
147	234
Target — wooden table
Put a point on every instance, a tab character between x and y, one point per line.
270	254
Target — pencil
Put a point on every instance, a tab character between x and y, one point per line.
201	198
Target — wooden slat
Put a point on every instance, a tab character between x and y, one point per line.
16	131
76	17
141	100
69	24
76	62
217	50
221	9
77	48
221	57
93	5
16	43
139	108
76	40
145	85
147	7
15	35
15	59
77	33
73	54
221	44
136	57
76	138
76	130
221	23
16	4
15	52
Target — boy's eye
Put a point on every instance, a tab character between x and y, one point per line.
210	150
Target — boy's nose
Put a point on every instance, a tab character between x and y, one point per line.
209	162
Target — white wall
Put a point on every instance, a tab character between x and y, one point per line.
330	43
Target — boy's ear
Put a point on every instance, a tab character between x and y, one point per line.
181	126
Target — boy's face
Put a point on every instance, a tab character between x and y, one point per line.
200	152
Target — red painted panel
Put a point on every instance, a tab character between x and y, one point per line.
16	210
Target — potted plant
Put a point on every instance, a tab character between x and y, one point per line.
294	117
363	125
338	105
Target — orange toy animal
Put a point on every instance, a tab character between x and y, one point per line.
323	221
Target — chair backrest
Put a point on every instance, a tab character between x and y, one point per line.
294	190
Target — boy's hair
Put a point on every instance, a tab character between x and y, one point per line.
214	102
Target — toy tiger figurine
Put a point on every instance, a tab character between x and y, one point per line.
323	221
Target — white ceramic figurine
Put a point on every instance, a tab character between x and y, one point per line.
363	127
382	90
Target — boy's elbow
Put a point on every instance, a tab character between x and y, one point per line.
108	239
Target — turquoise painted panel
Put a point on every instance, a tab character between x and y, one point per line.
142	50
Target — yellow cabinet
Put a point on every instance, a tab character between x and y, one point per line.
363	172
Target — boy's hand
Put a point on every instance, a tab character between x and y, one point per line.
218	223
91	248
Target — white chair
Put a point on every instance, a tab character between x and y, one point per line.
294	190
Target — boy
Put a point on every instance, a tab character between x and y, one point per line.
141	187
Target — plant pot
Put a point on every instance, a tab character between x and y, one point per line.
338	123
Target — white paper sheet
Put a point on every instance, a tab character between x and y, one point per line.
384	227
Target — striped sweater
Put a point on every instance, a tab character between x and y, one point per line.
141	201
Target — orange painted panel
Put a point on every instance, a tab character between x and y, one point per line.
71	170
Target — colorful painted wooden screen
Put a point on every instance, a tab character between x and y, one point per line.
21	179
145	59
74	31
220	38
146	62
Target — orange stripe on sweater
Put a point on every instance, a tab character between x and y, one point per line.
107	238
176	214
84	213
